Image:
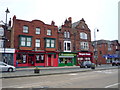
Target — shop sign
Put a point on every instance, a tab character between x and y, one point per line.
84	54
67	54
7	50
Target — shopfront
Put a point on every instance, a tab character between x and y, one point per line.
111	57
83	57
26	58
67	59
7	55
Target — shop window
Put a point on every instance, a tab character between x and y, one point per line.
21	58
39	58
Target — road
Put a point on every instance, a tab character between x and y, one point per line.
92	79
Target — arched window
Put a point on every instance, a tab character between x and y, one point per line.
83	35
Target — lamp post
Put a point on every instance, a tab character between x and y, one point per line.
7	11
95	46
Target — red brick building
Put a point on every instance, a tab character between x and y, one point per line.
74	39
35	43
106	51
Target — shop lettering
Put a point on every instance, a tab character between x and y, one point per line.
84	54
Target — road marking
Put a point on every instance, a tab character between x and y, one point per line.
112	85
73	74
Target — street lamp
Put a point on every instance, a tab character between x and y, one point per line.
95	46
5	29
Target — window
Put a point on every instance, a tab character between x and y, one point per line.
83	35
84	46
67	46
50	43
21	58
37	43
66	34
49	32
25	29
37	31
28	41
1	43
39	58
25	41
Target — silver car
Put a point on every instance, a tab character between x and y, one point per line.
6	67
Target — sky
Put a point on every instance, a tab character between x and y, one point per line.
98	14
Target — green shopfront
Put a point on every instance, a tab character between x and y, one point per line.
67	59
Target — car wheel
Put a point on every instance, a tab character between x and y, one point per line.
10	69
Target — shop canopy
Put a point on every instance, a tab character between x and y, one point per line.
111	56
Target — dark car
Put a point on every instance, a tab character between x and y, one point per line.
85	64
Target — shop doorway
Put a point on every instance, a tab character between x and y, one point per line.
49	60
31	61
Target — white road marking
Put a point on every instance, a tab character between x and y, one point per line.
106	71
112	85
73	74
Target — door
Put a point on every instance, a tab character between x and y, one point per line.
31	61
49	60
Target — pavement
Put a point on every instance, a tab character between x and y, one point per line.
29	71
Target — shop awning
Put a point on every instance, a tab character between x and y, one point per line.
111	56
66	56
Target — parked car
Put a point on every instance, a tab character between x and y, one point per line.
6	67
115	63
85	64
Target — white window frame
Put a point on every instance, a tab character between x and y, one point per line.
68	34
48	43
49	32
25	29
28	41
37	30
84	45
83	35
65	34
23	41
37	43
66	48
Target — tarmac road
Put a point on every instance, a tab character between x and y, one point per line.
92	79
23	72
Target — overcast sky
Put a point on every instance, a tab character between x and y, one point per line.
98	14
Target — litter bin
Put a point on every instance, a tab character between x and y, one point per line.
36	70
